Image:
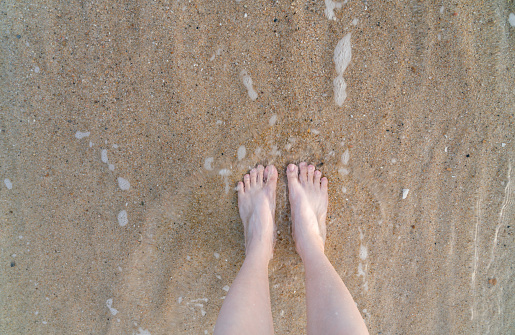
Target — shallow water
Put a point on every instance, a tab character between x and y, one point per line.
125	127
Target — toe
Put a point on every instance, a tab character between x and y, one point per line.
311	172
259	180
270	175
253	176
246	179
292	172
303	176
318	175
240	188
323	185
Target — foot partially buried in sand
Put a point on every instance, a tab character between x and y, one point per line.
256	203
308	201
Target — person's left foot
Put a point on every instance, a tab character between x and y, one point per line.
256	203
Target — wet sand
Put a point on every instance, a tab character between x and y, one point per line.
159	86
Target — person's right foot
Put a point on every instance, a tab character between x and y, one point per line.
256	204
308	202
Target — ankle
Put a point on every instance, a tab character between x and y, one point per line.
258	255
311	251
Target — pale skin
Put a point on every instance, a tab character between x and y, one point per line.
246	308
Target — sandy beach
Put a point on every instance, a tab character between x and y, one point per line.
125	127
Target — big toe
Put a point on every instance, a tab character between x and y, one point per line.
293	173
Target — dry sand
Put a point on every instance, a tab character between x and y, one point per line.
158	85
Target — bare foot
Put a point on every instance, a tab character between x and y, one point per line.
308	201
256	202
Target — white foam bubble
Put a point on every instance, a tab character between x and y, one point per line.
217	53
208	163
342	57
344	189
272	120
511	19
123	184
247	82
405	193
343	171
36	69
330	6
340	90
142	331
109	304
363	252
122	218
442	9
355	22
361	272
225	173
345	157
79	134
103	155
340	93
226	288
242	152
217	255
342	54
8	184
90	144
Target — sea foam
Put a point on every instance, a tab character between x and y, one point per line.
330	6
342	57
247	82
80	135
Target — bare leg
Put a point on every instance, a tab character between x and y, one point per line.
330	307
247	308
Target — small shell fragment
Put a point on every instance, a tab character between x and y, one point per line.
405	193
